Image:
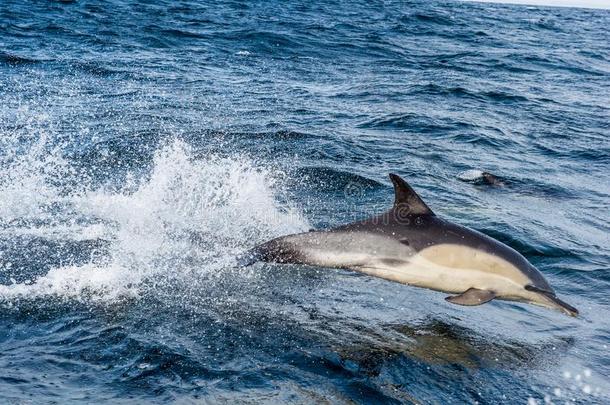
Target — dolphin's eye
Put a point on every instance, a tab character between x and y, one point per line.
404	241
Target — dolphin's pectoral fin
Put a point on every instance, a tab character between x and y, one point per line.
472	296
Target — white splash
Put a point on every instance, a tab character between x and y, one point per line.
26	178
470	175
188	216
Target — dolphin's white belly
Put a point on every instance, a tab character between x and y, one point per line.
442	278
451	269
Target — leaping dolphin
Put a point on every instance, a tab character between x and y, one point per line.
409	244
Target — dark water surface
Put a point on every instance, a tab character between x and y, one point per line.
144	146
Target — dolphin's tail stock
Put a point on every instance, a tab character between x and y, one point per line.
248	258
278	250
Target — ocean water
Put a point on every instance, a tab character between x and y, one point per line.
145	145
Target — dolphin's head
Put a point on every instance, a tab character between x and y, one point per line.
471	249
535	290
494	256
548	299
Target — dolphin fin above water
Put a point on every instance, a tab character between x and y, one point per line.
409	244
405	197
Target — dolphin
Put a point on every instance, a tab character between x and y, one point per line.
409	244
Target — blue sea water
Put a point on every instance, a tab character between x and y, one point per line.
145	145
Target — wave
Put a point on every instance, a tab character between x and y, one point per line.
443	19
95	68
329	179
462	92
13	59
416	122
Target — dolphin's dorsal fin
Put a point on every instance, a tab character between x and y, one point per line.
405	196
